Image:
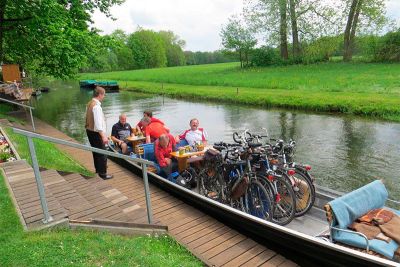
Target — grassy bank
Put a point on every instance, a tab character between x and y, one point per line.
84	248
48	155
363	89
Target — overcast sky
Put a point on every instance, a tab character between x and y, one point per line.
196	22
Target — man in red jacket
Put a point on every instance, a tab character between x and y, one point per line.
147	114
163	146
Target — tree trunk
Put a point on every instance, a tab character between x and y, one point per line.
240	57
353	29
348	51
295	32
3	4
283	29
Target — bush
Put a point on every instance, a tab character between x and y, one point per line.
389	48
367	46
321	49
265	56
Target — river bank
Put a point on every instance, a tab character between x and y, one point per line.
370	90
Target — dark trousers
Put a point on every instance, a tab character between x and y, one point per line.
167	170
100	160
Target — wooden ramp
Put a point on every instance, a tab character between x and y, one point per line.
208	239
71	196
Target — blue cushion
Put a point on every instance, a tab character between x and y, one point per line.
148	150
148	153
353	205
386	249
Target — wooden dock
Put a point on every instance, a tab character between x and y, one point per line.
208	239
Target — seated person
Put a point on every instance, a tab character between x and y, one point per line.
194	134
120	132
163	146
147	114
153	129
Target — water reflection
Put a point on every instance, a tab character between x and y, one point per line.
345	152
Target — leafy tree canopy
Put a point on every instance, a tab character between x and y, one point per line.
148	49
49	37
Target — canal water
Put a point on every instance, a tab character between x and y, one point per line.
344	152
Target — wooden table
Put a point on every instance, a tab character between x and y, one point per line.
136	140
182	159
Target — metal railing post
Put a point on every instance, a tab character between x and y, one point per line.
39	183
33	123
147	193
22	105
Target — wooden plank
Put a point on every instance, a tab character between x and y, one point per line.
274	261
245	256
207	235
233	252
225	245
288	263
191	228
217	240
260	258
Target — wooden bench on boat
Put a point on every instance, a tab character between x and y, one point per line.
344	210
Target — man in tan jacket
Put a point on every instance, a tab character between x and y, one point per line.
96	130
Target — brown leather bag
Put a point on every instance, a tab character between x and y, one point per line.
240	187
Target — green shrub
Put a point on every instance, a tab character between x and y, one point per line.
265	56
389	48
321	49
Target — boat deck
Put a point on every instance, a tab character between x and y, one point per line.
208	239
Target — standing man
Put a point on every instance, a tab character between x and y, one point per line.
96	130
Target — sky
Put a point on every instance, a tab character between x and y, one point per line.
196	22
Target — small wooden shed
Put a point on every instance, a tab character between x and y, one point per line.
11	73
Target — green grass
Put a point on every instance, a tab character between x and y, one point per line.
354	88
61	247
5	108
48	155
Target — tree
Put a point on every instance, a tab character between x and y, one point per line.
49	37
118	46
295	31
174	48
283	29
147	49
369	12
238	38
308	20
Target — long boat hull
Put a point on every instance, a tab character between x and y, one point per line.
302	248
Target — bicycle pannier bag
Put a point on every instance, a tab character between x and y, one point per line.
240	187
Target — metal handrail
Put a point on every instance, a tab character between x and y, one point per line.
30	135
22	105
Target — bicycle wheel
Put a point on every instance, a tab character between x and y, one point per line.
258	202
284	202
238	204
212	185
304	191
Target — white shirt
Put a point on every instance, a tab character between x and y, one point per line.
194	136
99	119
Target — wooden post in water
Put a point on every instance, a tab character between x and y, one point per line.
162	90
